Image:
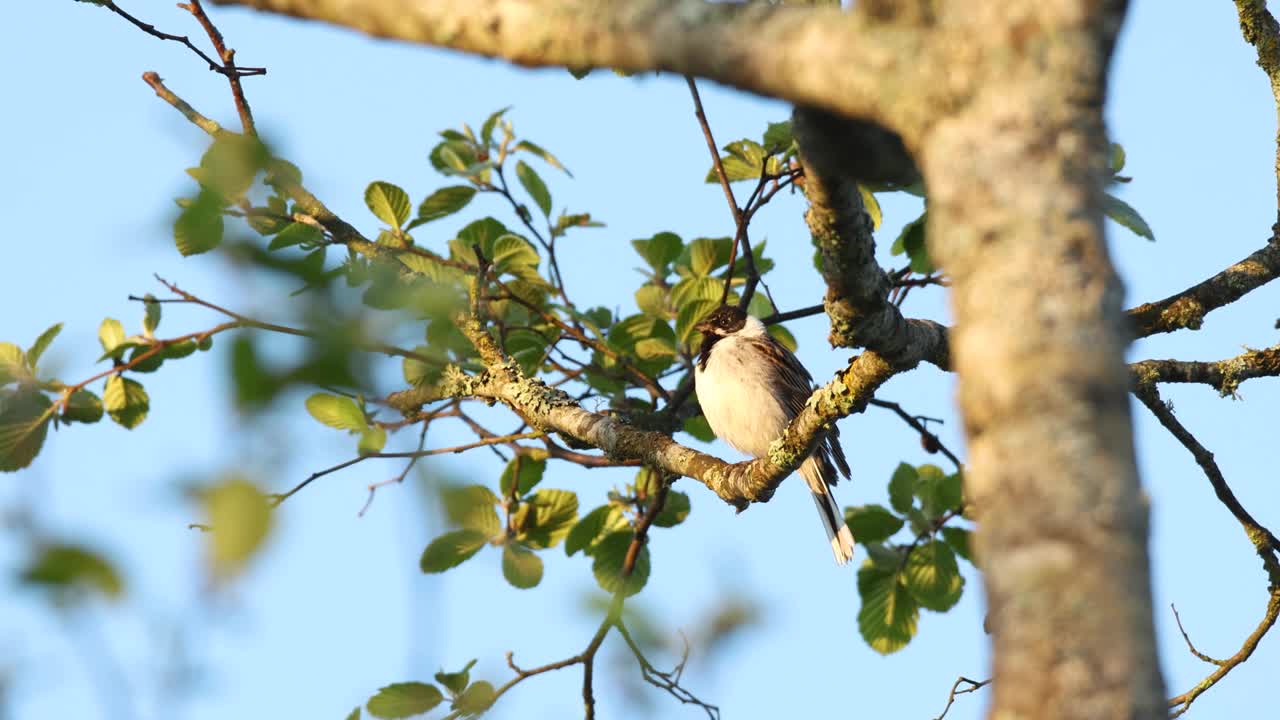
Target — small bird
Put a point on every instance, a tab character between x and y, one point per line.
750	387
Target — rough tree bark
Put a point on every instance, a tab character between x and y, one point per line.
1000	104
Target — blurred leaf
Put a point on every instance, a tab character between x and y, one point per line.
475	699
674	511
521	566
456	682
594	525
62	567
912	242
126	401
37	348
745	159
451	549
388	202
296	234
1123	213
174	351
784	336
872	523
660	250
887	619
695	288
198	228
777	137
902	487
652	300
355	714
83	406
949	494
535	187
486	130
553	514
240	516
13	363
230	164
698	427
24	423
960	540
402	700
150	364
928	480
932	576
110	334
418	373
610	554
337	412
471	507
547	157
1117	158
702	256
442	203
529	472
372	440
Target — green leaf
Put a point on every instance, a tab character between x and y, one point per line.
230	164
652	300
372	440
83	406
933	577
174	351
703	256
13	364
1123	213
777	137
745	161
949	493
40	345
150	364
960	540
594	525
402	700
547	157
240	516
660	250
928	480
451	550
697	287
912	241
456	682
535	187
511	252
887	619
337	412
198	228
110	334
151	315
486	130
296	234
62	567
24	423
355	714
471	507
521	566
610	554
902	487
388	202
692	314
527	469
784	336
872	523
698	427
1117	158
674	511
552	515
126	401
475	699
442	203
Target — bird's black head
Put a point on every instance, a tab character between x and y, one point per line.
724	320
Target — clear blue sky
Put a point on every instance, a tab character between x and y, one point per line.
336	607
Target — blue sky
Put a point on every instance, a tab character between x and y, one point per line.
335	607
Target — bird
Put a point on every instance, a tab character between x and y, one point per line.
750	387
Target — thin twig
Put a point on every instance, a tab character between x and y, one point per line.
1182	703
917	422
1186	637
724	180
230	71
229	65
973	686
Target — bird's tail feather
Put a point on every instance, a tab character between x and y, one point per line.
829	510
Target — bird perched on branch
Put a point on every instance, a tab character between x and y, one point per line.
750	387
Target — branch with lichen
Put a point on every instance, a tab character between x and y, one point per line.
1224	376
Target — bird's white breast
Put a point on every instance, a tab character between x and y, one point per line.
736	398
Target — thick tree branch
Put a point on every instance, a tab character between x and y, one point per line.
764	48
1224	375
857	299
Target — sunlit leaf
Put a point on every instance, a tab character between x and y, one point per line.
553	514
83	406
534	186
337	412
933	577
402	700
471	507
388	202
372	440
674	511
610	555
198	228
62	567
527	469
521	566
902	487
24	423
126	401
442	203
13	363
451	549
888	616
38	347
240	516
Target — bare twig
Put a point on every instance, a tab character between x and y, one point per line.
971	686
1186	637
232	73
918	423
229	70
667	681
1181	703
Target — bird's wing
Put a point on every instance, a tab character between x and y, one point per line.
797	385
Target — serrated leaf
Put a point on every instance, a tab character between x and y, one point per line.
199	227
610	554
933	577
652	300
872	523
511	252
38	347
674	511
695	288
83	406
745	159
698	427
527	469
702	256
240	516
24	423
475	699
1123	213
337	412
296	234
547	157
660	250
888	616
372	440
126	401
552	516
902	487
535	187
443	202
110	334
388	202
402	700
451	550
63	567
521	566
13	363
471	507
